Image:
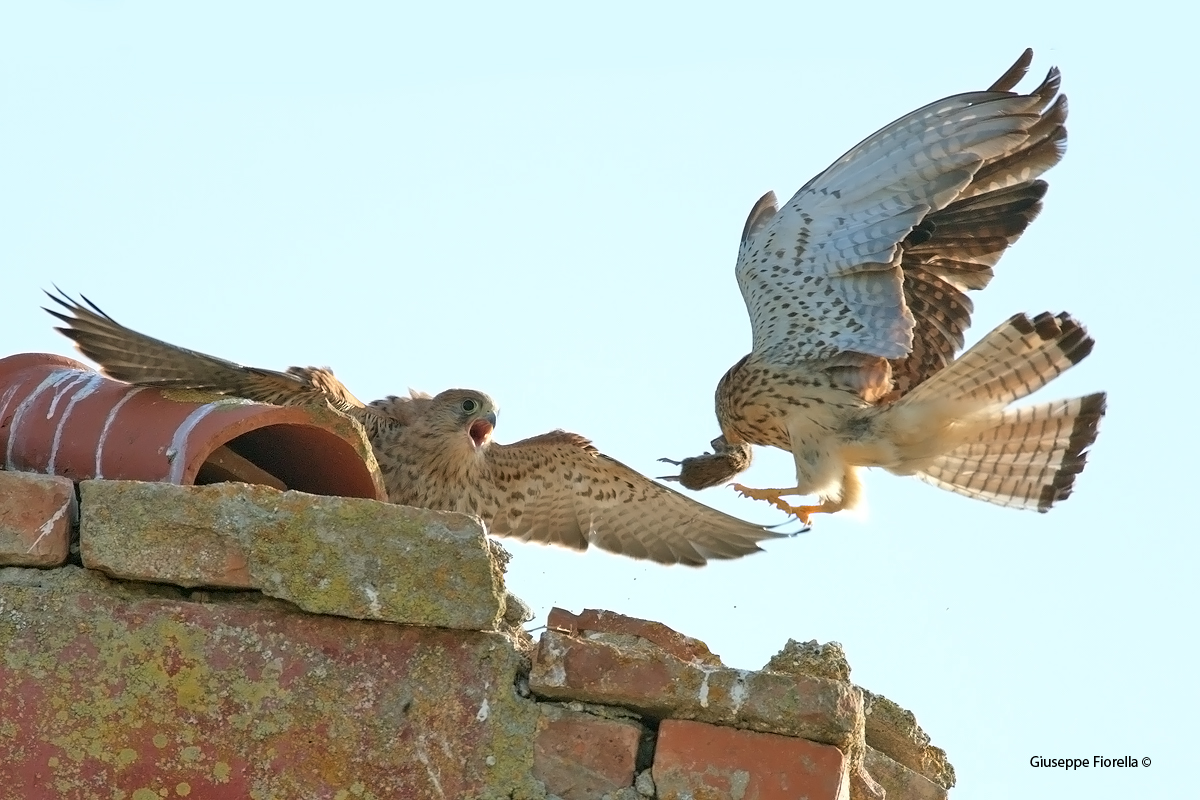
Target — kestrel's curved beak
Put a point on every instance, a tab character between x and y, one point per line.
481	429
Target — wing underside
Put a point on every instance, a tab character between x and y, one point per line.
874	255
562	491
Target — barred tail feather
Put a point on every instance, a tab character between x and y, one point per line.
1016	359
1028	460
1015	457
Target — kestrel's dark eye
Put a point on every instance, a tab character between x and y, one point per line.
470	406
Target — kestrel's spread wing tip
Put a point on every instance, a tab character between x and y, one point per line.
829	273
563	491
1015	73
135	358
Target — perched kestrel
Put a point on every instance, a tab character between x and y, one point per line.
856	295
438	452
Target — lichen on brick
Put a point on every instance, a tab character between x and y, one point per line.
112	686
894	731
810	658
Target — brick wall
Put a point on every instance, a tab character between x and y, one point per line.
234	641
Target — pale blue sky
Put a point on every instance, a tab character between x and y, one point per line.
544	202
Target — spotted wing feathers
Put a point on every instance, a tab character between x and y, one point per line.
826	274
129	356
558	489
951	252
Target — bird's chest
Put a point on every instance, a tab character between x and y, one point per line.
438	479
770	407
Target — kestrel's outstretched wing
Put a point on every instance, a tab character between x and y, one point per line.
562	491
129	356
872	256
954	250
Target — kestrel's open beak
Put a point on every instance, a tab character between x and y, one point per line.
481	429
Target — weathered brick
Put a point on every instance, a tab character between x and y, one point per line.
863	785
695	761
580	756
900	782
640	676
331	555
894	731
36	515
605	625
111	690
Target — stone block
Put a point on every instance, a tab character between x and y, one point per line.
644	783
111	690
610	626
351	557
580	756
696	761
863	785
900	782
894	731
640	676
811	658
36	516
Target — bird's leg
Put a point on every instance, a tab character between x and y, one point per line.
851	490
772	496
828	507
775	498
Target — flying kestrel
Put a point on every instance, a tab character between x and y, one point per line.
438	452
856	295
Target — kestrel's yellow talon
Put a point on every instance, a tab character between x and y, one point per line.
802	513
772	496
